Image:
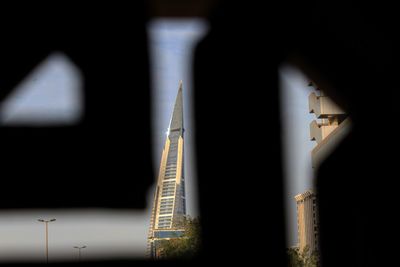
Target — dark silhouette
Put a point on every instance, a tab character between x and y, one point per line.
349	49
103	161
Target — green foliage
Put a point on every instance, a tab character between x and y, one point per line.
294	257
186	246
303	258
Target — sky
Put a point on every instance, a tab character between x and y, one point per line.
52	93
296	141
172	45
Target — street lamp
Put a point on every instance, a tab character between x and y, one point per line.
79	249
47	236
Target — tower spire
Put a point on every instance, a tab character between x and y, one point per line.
176	122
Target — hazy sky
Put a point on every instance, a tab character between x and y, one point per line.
52	93
172	46
297	145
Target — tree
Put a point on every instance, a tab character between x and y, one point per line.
304	258
184	247
312	259
294	257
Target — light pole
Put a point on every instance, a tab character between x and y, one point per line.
46	222
79	253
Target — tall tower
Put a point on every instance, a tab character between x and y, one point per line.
169	206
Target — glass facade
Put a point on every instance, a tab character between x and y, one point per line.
169	195
164	221
168	234
170	207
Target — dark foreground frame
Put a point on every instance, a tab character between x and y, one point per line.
342	47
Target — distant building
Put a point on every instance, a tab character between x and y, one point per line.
329	127
169	206
307	221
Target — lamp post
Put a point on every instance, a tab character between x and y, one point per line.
79	251
46	222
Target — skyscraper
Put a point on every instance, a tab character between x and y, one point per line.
169	205
307	221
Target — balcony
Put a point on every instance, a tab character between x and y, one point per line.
319	131
323	107
324	148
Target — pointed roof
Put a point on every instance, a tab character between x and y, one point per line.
177	115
